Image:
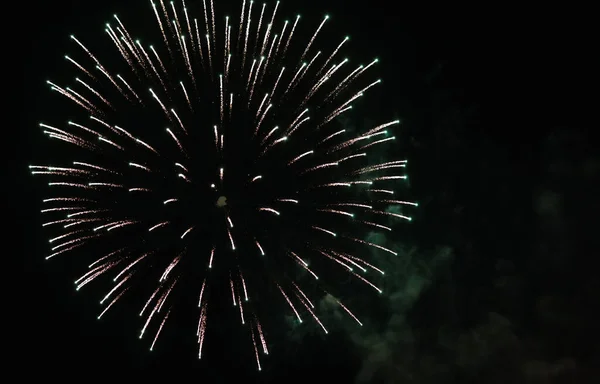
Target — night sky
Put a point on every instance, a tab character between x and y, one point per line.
494	282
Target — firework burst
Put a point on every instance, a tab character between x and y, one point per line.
214	163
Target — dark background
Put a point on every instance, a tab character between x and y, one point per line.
498	284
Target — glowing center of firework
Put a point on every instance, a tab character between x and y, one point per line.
221	201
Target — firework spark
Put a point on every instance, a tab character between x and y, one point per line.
221	124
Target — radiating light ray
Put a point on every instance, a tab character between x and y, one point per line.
64	250
303	264
186	232
231	240
150	316
261	335
131	265
266	209
212	254
381	178
399	202
377	225
390	192
115	288
112	303
93	273
260	248
71	242
241	308
60	209
121	224
392	214
336	211
287	299
349	312
303	295
325	230
160	329
234	301
368	282
65	235
367	264
309	309
349	268
170	267
289	200
255	350
374	245
117	252
201	330
58	222
201	294
349	260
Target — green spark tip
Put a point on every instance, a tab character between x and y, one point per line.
326	17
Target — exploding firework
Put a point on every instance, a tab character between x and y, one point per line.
215	163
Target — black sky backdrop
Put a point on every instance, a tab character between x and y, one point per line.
493	101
